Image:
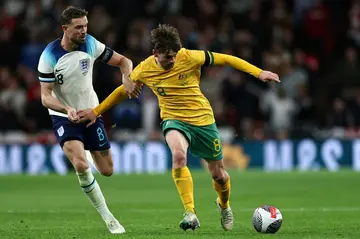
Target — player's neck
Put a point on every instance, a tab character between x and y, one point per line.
157	62
67	44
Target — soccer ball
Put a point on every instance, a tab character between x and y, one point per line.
267	219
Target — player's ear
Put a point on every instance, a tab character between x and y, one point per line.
64	27
155	52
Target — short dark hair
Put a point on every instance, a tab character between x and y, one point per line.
165	38
70	13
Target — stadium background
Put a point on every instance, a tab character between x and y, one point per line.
312	45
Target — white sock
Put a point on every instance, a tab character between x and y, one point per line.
93	192
90	159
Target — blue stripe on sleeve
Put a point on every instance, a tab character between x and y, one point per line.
90	45
47	79
49	57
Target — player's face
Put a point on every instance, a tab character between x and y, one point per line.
166	60
76	30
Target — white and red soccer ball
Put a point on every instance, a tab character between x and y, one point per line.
267	219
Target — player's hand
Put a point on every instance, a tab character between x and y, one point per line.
72	115
267	76
87	115
137	90
129	86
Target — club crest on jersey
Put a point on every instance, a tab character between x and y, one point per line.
182	76
84	65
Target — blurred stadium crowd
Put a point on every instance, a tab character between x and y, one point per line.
312	44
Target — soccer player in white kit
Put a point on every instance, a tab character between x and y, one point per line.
65	74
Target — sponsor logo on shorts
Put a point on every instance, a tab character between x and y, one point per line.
102	144
61	131
215	155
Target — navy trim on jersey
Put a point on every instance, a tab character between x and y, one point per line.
106	55
55	50
46	75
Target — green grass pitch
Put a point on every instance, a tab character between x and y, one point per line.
313	204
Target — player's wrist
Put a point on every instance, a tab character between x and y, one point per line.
96	112
67	109
259	73
126	78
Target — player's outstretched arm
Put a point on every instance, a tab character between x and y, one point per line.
118	95
239	64
51	102
126	67
125	64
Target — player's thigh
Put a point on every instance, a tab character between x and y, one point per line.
66	130
74	151
177	137
206	142
103	161
70	137
95	137
97	142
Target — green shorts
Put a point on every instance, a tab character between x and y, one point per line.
204	141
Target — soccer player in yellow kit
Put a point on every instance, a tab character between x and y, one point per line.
173	74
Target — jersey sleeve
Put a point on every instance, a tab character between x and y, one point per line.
98	50
46	66
201	58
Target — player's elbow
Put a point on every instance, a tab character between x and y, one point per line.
44	101
125	62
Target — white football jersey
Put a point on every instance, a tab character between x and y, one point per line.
72	72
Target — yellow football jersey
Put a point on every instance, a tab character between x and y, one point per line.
178	89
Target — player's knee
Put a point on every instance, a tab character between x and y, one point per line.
179	158
219	174
80	165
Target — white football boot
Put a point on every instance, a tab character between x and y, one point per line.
190	221
226	217
115	227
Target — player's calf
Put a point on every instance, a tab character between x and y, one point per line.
218	172
222	186
92	190
74	150
103	161
107	172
